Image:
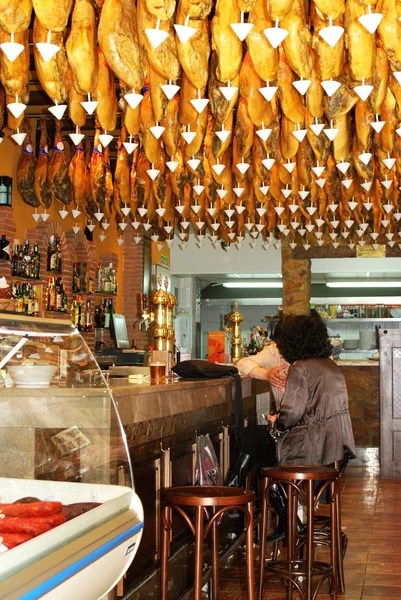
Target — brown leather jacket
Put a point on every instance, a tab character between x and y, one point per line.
314	412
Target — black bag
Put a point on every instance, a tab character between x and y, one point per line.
203	369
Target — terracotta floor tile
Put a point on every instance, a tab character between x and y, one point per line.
377	591
371	517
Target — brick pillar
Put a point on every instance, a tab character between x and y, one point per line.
7	228
136	281
296	282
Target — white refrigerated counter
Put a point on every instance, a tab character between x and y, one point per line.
62	440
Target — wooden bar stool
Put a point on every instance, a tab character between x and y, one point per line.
220	499
297	483
321	533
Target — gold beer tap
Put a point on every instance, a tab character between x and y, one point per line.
236	338
172	301
160	301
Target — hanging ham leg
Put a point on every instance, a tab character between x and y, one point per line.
81	47
89	206
97	173
42	189
52	74
118	40
26	170
122	193
105	94
77	173
53	14
58	178
15	15
109	184
15	75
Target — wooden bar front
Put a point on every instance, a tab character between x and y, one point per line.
161	423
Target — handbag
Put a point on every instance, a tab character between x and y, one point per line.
207	469
204	369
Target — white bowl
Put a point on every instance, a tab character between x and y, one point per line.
32	376
395	313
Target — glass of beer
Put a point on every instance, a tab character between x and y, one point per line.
157	372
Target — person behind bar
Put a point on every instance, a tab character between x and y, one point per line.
257	449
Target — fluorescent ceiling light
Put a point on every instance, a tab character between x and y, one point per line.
253	284
364	284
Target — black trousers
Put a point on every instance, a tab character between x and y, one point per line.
257	442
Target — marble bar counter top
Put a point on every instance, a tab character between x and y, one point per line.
139	402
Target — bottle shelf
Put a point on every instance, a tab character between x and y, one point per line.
53	273
364	320
112	294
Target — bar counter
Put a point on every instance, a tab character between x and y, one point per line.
161	423
138	402
363	384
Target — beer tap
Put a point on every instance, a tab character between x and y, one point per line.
147	316
235	329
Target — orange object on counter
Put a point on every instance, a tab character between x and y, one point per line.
216	346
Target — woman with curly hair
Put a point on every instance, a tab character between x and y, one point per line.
314	423
314	414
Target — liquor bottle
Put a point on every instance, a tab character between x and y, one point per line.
252	348
64	301
98	310
27	288
3	192
82	316
90	286
58	255
36	303
99	279
103	314
59	294
74	311
3	244
49	252
36	262
20	267
112	279
51	294
31	302
89	317
76	281
108	314
27	260
107	281
52	255
20	300
14	260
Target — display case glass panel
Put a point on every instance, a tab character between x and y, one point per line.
59	419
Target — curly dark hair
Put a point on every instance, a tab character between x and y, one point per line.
302	337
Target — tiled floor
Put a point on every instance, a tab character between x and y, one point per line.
371	515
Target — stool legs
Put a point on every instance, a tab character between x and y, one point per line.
335	532
215	561
249	554
165	545
340	563
198	567
309	539
263	540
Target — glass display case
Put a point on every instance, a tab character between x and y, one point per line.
61	440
